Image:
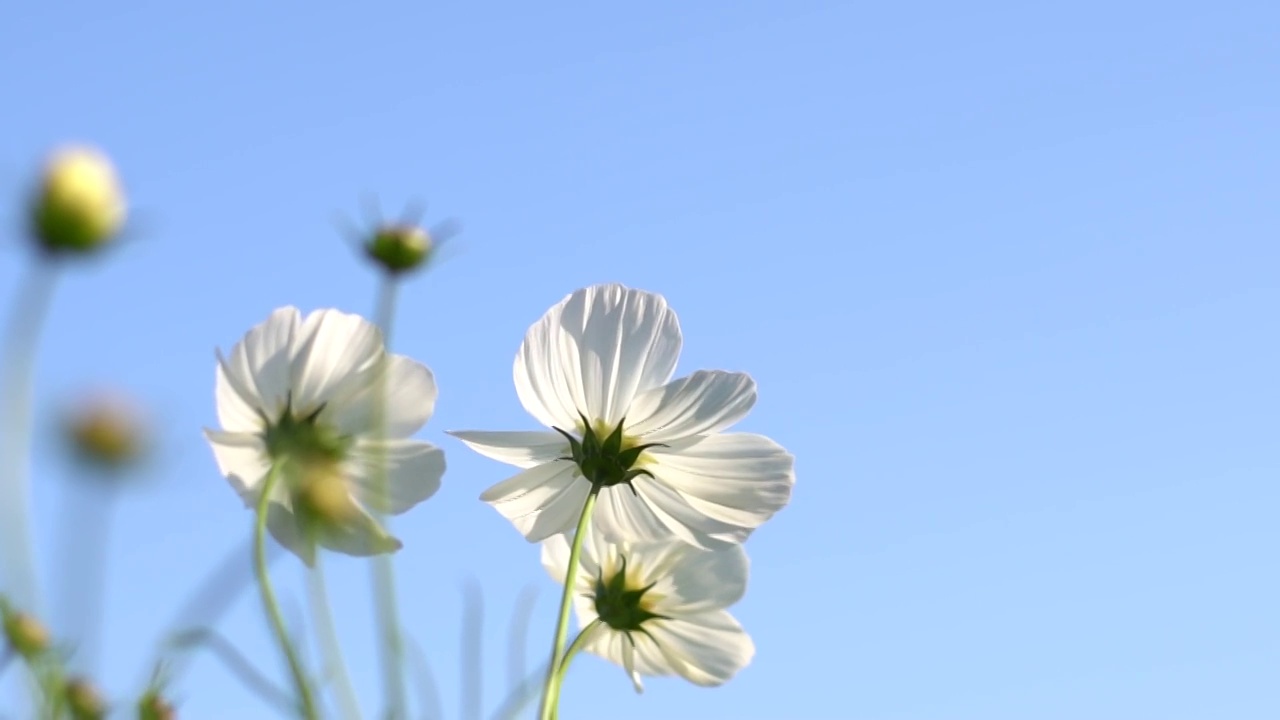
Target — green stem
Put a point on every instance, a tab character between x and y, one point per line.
551	692
21	343
575	647
327	634
384	579
269	603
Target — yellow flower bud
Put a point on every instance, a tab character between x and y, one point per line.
79	204
107	431
25	634
322	494
84	700
154	707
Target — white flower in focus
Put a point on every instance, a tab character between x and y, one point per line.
595	369
300	393
660	607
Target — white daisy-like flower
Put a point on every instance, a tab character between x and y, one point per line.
595	369
658	609
301	394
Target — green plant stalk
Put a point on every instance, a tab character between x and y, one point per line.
21	343
330	647
269	603
551	691
384	578
575	647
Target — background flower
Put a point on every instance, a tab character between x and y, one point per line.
301	393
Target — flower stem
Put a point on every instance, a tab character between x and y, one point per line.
551	692
575	647
21	343
384	578
269	603
327	632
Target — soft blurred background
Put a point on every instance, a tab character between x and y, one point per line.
1006	273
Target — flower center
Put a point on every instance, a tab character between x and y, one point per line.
606	462
619	607
303	439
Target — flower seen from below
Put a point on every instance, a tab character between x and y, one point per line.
596	370
658	609
300	394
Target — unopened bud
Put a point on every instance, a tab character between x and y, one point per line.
107	432
84	700
154	707
79	204
25	634
323	496
399	248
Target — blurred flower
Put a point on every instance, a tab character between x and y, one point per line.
107	431
300	394
658	608
154	707
84	700
595	369
26	635
79	204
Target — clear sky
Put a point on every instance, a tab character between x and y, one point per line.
1007	275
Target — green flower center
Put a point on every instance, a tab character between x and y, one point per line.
619	607
303	439
606	462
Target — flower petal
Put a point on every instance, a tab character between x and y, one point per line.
736	478
522	449
684	521
705	648
539	375
540	501
333	351
413	472
360	536
260	363
410	399
707	401
622	516
627	341
236	401
703	580
242	460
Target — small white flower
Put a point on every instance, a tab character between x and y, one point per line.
595	368
658	608
301	394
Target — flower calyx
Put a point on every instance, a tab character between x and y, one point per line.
606	462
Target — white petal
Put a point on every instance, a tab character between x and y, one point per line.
555	560
684	521
259	365
707	401
242	460
410	399
541	383
627	342
361	536
413	472
540	501
702	580
620	515
283	526
332	352
522	449
736	478
705	648
236	402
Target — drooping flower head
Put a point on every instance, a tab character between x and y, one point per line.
658	608
301	395
596	369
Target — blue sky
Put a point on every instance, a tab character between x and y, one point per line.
1006	275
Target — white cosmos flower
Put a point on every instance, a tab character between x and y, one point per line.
605	355
301	393
658	608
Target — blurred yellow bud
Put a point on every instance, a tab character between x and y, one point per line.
323	496
26	635
399	248
84	701
79	204
154	707
107	431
